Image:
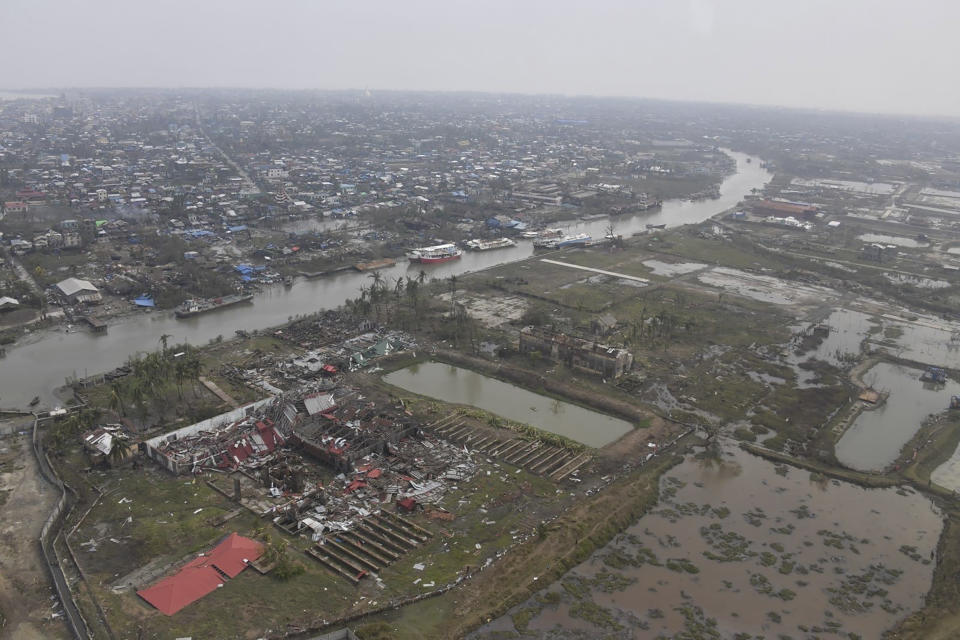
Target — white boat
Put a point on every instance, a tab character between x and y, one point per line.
579	240
548	238
486	245
437	253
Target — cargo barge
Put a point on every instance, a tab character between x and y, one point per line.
192	308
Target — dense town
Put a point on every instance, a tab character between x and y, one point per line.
400	365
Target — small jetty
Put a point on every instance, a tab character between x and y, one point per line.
97	324
375	264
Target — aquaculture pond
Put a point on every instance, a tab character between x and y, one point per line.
741	548
877	435
462	386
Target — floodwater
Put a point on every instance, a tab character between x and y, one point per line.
948	474
900	241
926	339
35	369
875	438
462	386
740	546
848	329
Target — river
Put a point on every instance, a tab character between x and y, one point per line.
37	368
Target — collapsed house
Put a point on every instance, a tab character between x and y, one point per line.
576	353
224	441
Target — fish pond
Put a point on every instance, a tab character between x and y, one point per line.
462	386
876	436
741	548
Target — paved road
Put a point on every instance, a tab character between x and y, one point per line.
248	183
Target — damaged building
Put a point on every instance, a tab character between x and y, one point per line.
576	353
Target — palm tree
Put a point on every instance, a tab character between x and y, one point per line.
116	398
422	276
163	341
119	451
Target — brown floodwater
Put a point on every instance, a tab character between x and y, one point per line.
741	546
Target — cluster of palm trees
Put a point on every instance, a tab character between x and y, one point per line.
376	300
152	377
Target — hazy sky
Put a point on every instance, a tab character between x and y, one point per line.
865	55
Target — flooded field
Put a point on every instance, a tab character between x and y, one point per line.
764	288
876	436
462	386
927	339
900	241
741	548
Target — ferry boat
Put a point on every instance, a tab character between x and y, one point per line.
579	240
192	308
438	253
487	245
548	238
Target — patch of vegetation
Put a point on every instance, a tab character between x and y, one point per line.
595	614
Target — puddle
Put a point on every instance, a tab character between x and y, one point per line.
462	386
660	268
876	436
739	545
899	241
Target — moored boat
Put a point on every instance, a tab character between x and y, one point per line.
487	245
437	253
192	308
579	240
548	238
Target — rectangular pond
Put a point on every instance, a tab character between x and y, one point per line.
462	386
876	436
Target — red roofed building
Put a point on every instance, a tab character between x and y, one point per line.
232	555
188	585
203	574
783	209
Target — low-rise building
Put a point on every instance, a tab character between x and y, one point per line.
577	353
74	290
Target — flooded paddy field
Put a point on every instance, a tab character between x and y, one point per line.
876	436
462	386
742	548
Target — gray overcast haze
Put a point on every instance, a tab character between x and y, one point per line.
862	55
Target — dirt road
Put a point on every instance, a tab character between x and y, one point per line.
26	598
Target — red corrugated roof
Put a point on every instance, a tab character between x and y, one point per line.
199	576
231	555
188	585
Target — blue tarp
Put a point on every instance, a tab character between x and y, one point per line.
144	301
239	227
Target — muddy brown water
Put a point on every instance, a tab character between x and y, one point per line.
462	386
36	368
876	436
743	546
